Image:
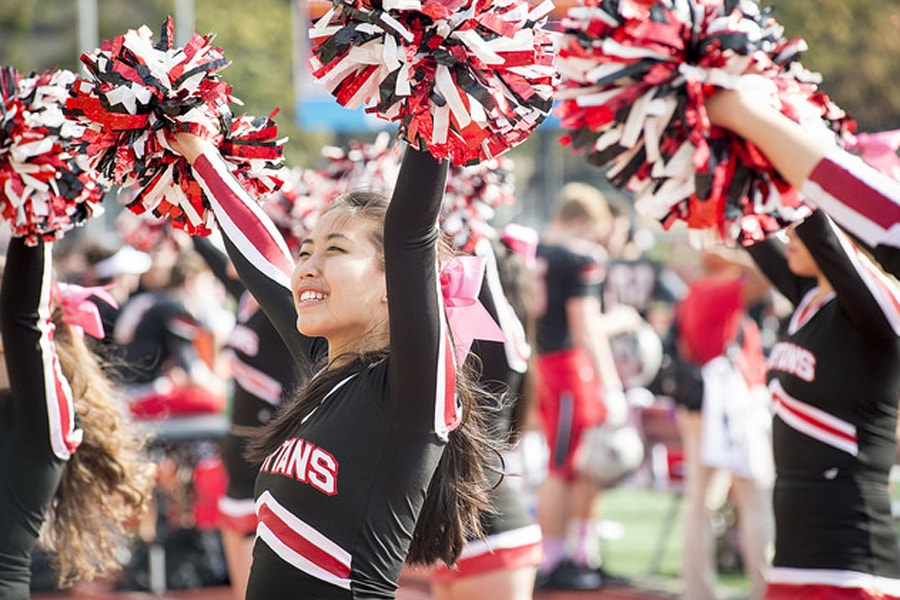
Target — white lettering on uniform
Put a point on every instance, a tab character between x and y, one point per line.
793	359
306	463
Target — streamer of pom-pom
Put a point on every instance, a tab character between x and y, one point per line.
472	196
355	165
138	94
466	79
635	74
360	166
44	191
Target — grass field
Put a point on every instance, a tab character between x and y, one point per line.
643	541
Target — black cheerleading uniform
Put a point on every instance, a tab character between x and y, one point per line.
640	283
339	501
835	383
38	429
862	200
568	389
562	274
512	538
154	333
263	374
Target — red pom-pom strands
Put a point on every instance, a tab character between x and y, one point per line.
255	154
465	79
139	93
471	199
44	192
634	76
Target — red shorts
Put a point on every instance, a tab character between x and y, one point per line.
569	401
508	550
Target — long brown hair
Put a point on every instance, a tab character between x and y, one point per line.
107	482
458	491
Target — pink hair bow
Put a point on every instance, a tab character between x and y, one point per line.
468	318
79	311
879	149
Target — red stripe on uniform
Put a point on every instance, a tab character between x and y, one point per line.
58	394
784	591
251	227
812	420
452	414
528	555
62	397
300	544
245	524
849	189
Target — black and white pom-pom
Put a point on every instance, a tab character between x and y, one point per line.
466	79
635	74
139	94
43	191
472	196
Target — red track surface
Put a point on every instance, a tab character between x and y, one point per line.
412	588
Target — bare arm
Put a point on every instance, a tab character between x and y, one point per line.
791	148
861	199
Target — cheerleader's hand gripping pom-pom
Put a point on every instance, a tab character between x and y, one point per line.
138	94
634	78
465	79
44	192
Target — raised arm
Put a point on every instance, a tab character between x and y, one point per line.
42	399
860	199
219	264
254	244
422	370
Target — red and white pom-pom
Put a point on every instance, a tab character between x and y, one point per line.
43	191
296	206
358	166
635	75
144	232
138	94
472	196
466	79
255	154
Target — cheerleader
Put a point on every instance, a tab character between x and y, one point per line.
379	460
71	465
834	378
